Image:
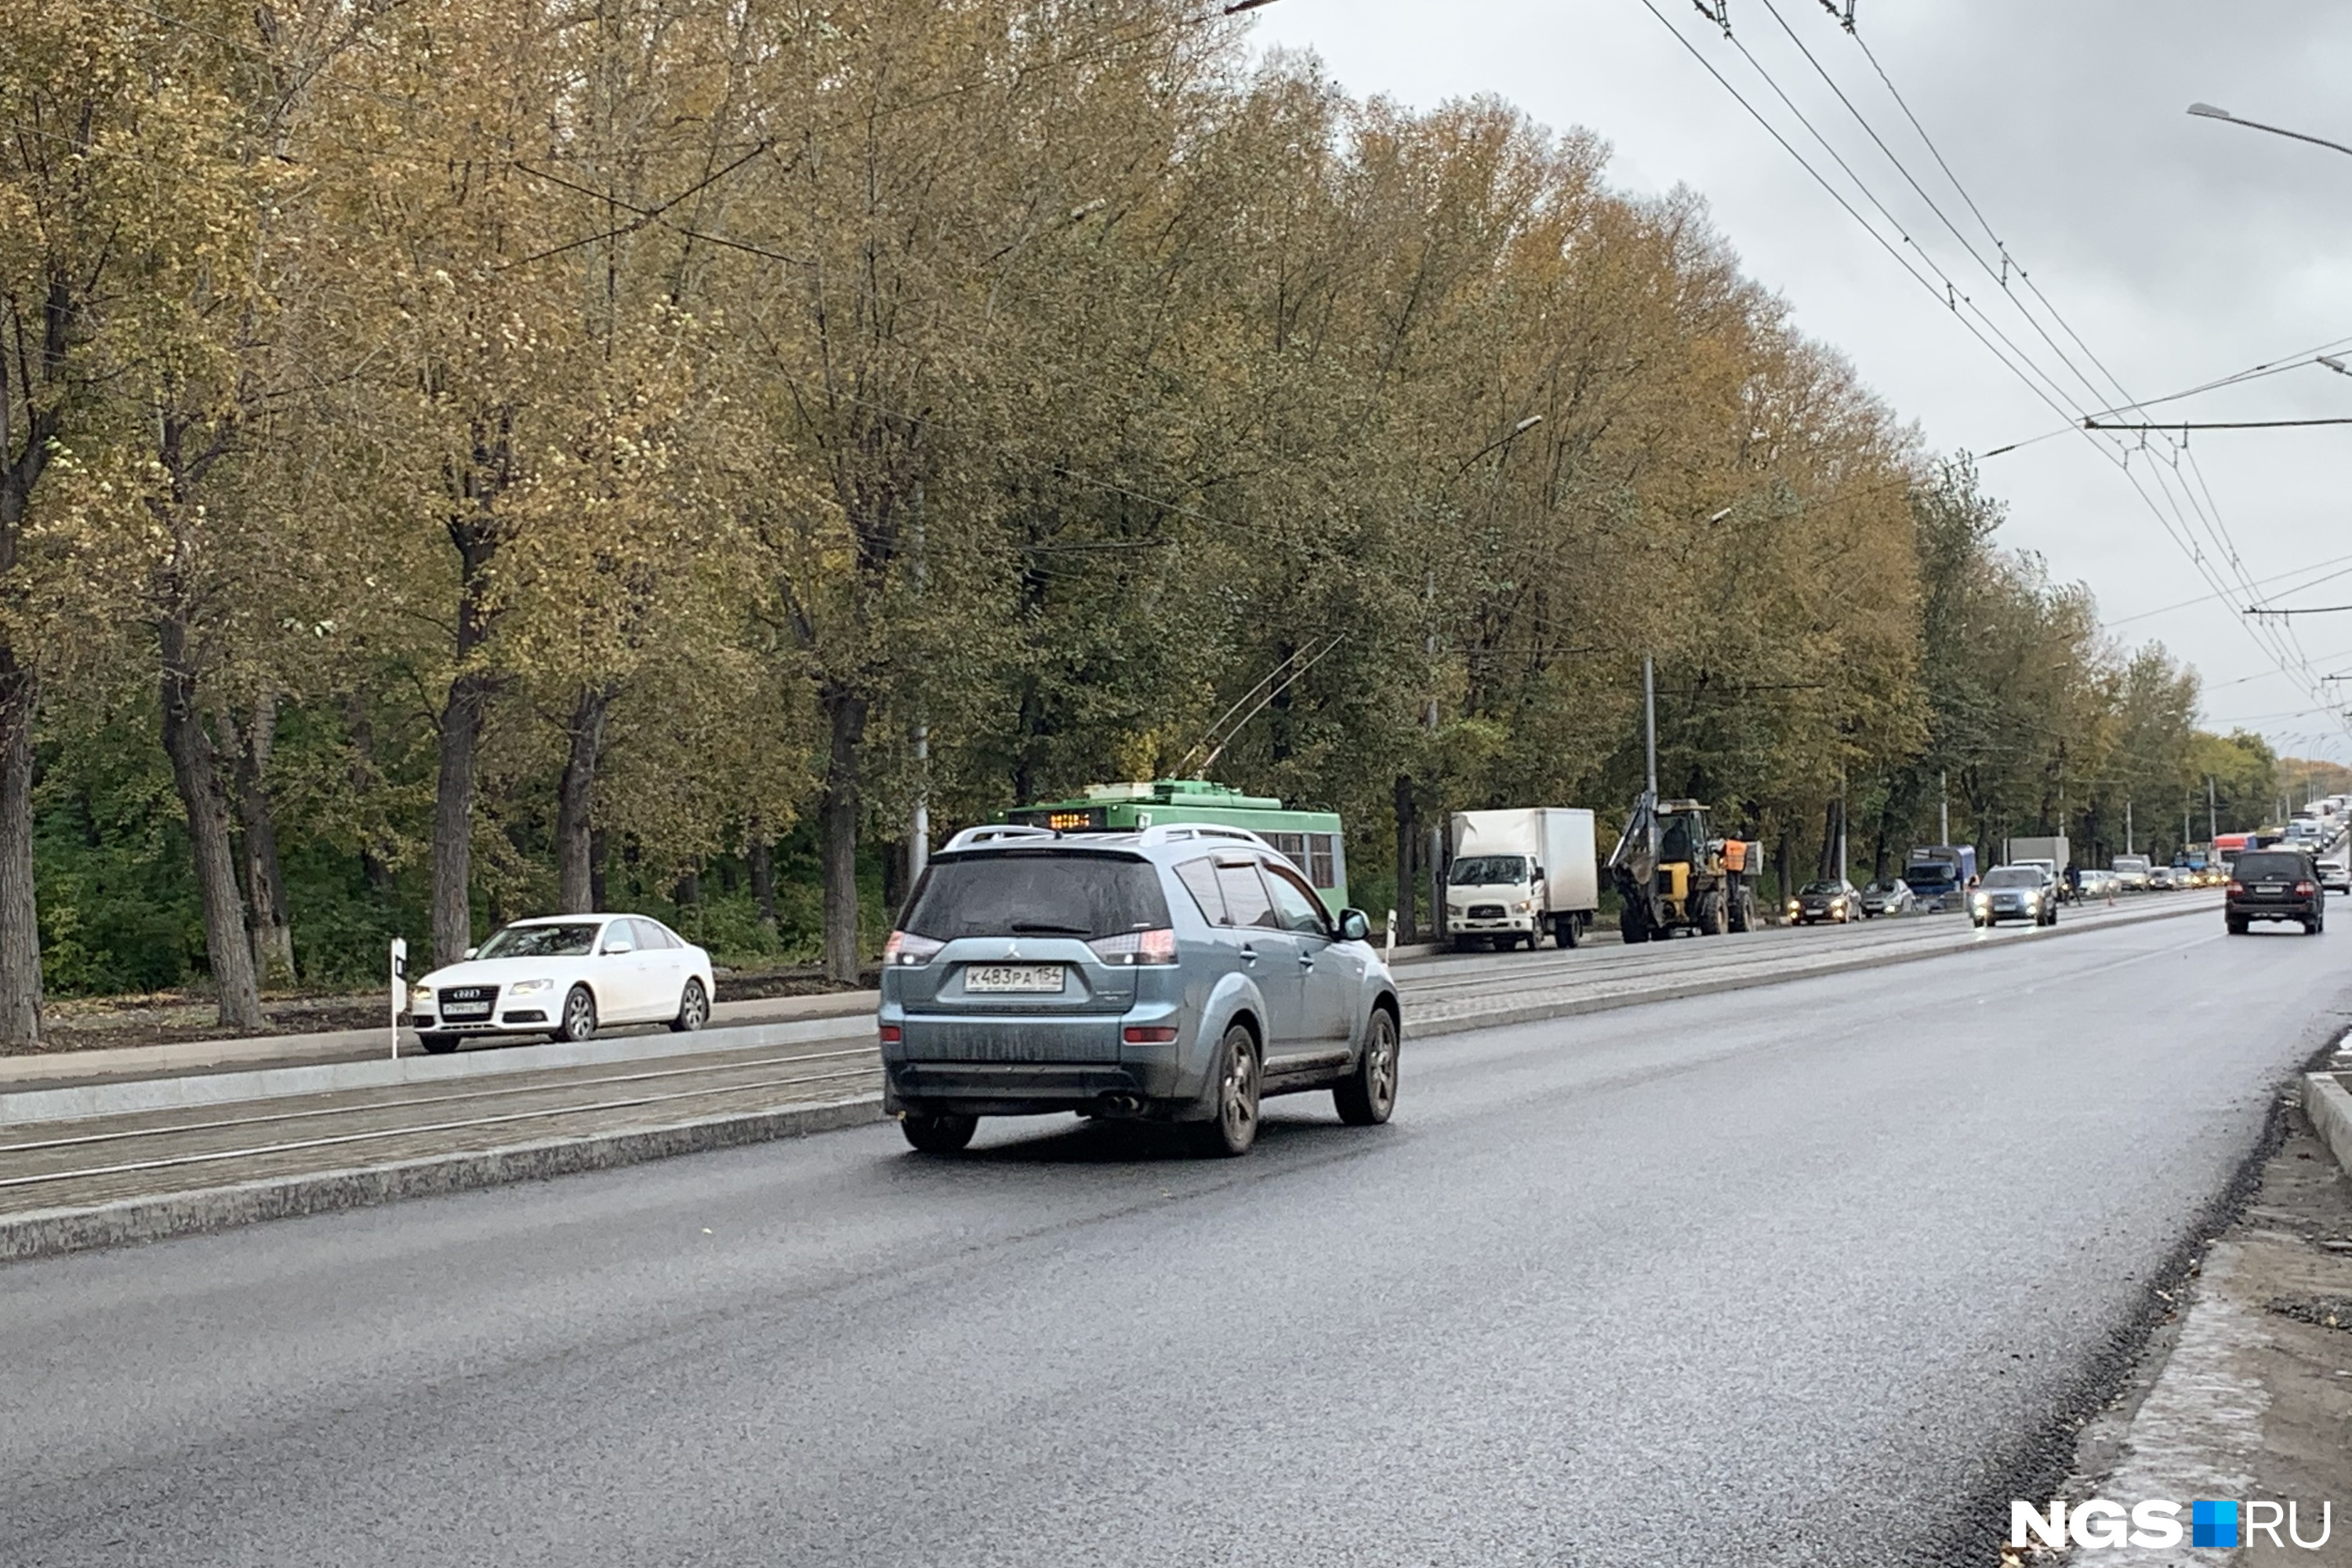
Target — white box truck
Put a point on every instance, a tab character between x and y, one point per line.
2054	854
1517	876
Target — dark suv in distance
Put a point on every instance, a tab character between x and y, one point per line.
2274	885
1180	973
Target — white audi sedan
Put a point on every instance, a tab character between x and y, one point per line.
561	977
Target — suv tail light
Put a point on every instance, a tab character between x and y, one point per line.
904	948
1147	1034
1135	947
2235	885
2305	890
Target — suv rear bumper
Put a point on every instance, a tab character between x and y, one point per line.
1035	1066
2299	911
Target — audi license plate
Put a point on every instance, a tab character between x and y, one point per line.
459	1010
1022	979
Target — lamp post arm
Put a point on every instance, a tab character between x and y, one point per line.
2207	111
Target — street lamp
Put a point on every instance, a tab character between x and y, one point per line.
1521	428
2207	111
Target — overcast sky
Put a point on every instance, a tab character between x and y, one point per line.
2180	251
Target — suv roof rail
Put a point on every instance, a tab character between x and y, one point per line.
1174	832
996	833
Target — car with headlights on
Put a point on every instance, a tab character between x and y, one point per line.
1181	973
1891	897
2014	893
1831	898
565	977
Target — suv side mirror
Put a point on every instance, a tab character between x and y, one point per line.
1355	925
471	950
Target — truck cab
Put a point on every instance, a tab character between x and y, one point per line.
1494	898
1939	874
1519	873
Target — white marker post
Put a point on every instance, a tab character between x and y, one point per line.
399	989
1389	953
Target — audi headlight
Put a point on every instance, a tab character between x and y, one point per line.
1794	906
529	987
420	996
1983	900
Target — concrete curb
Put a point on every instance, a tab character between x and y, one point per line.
48	1232
2329	1109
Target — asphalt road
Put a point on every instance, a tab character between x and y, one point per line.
1806	1275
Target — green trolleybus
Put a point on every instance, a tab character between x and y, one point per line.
1311	839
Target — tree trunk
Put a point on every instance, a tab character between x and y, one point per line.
837	825
190	747
266	915
763	880
360	730
461	738
1407	823
20	931
575	801
598	853
453	819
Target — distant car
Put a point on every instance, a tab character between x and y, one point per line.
2132	872
1176	974
2163	879
1829	899
2279	884
565	977
1892	896
2336	876
2014	893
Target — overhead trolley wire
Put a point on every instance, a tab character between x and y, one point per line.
2180	526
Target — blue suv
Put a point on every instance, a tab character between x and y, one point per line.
1181	973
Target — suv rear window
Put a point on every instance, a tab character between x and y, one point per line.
1031	893
2270	867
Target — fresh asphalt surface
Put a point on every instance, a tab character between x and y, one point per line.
1814	1274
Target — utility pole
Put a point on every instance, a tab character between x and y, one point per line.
1650	720
1842	834
918	825
2212	817
1429	722
2127	829
1943	808
1650	743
